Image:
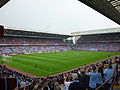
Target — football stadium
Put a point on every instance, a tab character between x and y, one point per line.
83	60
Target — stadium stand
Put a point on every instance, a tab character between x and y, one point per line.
107	37
21	42
31	49
99	42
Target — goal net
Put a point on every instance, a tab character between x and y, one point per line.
6	58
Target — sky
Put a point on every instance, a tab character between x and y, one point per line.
52	16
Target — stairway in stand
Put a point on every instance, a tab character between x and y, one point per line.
117	87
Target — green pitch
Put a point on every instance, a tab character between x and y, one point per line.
44	64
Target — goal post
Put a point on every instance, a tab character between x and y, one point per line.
6	58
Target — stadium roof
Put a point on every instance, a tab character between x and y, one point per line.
100	31
22	33
3	2
109	8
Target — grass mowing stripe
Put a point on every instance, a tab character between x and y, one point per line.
32	64
48	60
32	67
29	69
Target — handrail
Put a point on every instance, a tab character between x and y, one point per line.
114	81
114	77
104	83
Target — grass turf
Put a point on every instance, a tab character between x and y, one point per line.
44	64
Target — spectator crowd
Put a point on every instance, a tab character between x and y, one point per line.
7	50
30	40
98	46
22	45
